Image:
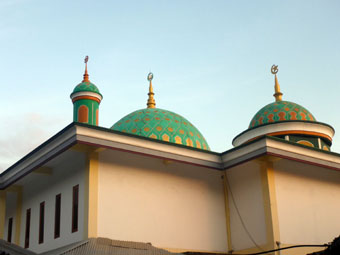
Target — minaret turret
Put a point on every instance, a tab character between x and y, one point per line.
86	99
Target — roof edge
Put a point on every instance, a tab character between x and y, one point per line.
280	123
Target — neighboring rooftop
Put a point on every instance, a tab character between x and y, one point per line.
7	248
105	246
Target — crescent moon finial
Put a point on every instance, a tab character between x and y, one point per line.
151	101
150	76
86	75
274	69
277	94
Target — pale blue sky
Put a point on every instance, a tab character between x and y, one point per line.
211	62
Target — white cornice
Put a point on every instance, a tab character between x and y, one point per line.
147	146
106	138
303	153
86	93
294	126
281	149
39	156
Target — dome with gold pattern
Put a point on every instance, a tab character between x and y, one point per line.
281	111
161	124
288	121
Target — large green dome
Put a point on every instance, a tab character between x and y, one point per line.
162	125
281	111
86	86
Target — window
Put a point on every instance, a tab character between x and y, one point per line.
57	216
41	222
9	233
75	208
27	230
83	114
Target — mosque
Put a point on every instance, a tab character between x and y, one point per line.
151	185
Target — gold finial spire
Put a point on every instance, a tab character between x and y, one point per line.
278	94
151	101
86	75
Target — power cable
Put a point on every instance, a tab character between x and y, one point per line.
286	248
263	252
239	215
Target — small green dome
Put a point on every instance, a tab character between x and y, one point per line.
162	125
86	86
281	111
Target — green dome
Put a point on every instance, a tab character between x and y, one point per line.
162	125
86	86
281	111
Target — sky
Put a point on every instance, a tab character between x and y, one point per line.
211	62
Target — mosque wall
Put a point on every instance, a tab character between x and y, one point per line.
11	201
307	202
170	204
245	202
67	170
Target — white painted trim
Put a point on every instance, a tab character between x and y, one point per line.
101	137
39	157
281	149
303	153
147	146
86	93
244	153
283	126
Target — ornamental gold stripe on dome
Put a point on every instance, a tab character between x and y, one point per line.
162	125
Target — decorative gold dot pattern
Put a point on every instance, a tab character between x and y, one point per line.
162	125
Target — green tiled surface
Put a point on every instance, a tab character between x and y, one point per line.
86	86
162	125
279	112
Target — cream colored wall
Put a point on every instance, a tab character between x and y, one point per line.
11	200
245	187
171	205
67	171
308	203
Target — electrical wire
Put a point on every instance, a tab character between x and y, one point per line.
239	215
286	248
264	252
252	239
